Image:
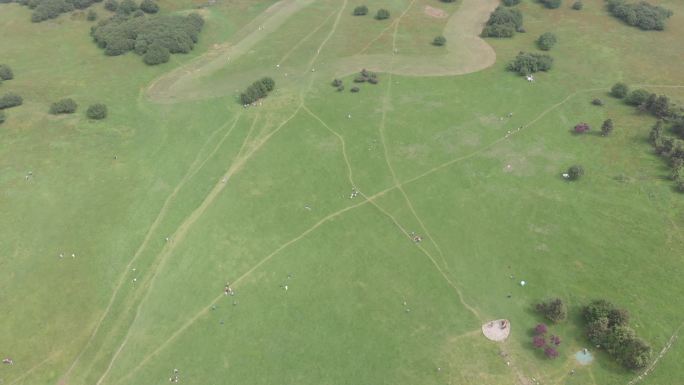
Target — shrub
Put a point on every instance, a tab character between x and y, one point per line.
111	5
637	97
510	3
556	340
503	22
578	5
540	329
97	111
581	128
439	41
361	10
9	100
63	106
92	15
269	83
156	54
6	72
551	352
127	7
597	102
619	90
641	14
121	33
635	354
149	6
575	172
527	63
554	309
551	4
607	127
546	41
3	117
538	341
336	82
382	14
355	89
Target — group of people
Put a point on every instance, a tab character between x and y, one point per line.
8	361
175	376
227	290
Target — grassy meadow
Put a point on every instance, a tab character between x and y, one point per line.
260	197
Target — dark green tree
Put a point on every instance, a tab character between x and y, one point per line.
546	41
268	83
156	54
149	6
577	5
361	10
637	97
575	172
619	90
97	111
503	22
439	41
553	309
607	127
527	63
551	4
111	5
63	106
6	72
382	14
9	100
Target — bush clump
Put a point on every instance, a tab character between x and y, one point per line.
619	90
597	102
382	14
607	127
258	90
361	10
551	4
575	172
527	63
355	89
503	22
123	33
642	14
546	41
96	111
149	6
554	309
577	5
607	326
439	41
510	3
63	106
156	54
637	97
9	100
6	72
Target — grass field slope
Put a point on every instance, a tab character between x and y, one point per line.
119	237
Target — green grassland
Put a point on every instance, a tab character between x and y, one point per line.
428	154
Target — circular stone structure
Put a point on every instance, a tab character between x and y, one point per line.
497	330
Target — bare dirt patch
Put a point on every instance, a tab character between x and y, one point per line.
435	12
497	330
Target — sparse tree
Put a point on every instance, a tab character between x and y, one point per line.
439	41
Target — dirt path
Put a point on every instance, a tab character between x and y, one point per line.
465	53
662	354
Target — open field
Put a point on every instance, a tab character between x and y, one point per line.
260	197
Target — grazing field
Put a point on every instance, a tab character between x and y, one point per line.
116	249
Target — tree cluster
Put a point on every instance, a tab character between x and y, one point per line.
527	63
551	4
553	309
540	341
63	106
50	9
607	326
366	76
257	90
546	41
337	83
503	22
9	100
642	14
161	34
